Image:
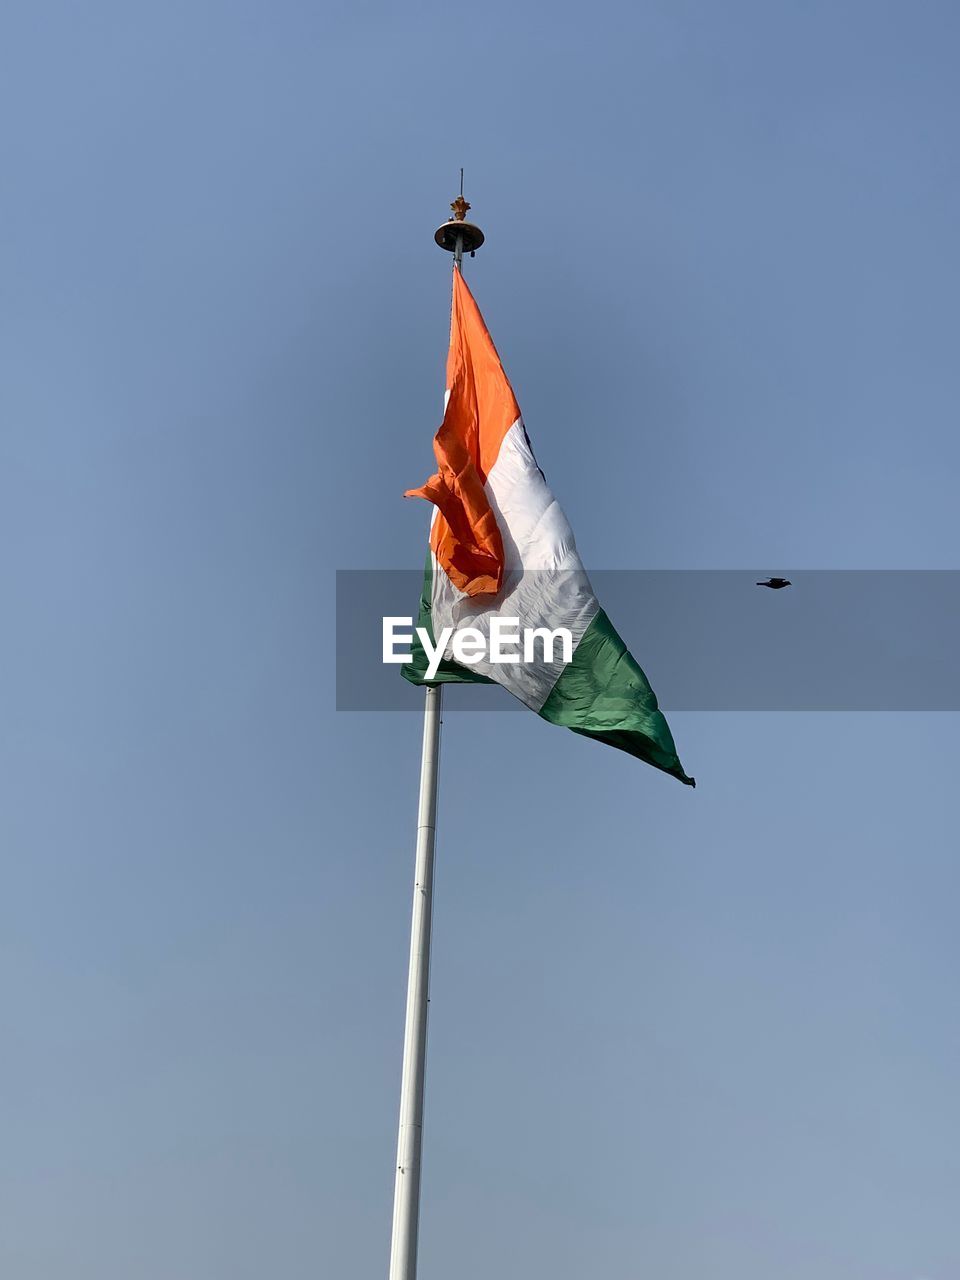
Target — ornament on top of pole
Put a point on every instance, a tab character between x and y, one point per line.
456	235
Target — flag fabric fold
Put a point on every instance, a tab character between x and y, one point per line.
479	412
500	545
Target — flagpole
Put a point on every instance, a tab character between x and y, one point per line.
455	236
406	1195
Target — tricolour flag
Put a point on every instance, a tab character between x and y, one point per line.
501	546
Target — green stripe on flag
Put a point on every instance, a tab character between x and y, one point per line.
603	694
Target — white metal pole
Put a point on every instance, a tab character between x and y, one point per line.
406	1193
406	1196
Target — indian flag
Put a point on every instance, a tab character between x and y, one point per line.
500	546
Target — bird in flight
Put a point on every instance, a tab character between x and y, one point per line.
775	583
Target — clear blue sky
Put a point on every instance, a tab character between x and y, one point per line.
675	1034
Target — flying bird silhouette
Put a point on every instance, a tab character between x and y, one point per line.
775	584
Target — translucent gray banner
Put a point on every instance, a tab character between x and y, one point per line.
712	640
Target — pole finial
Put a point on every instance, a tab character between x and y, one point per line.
456	230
